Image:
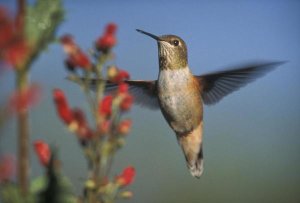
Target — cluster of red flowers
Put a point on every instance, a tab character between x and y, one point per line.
126	177
106	108
105	42
73	118
14	49
122	98
77	58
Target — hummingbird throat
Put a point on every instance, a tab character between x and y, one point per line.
169	58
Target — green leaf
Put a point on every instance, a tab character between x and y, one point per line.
42	21
38	184
53	187
62	192
10	193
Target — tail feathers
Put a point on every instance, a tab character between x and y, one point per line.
196	169
191	145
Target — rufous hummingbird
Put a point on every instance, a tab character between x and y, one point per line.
180	95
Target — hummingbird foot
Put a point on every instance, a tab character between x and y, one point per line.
191	144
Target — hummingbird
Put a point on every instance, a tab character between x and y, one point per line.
180	95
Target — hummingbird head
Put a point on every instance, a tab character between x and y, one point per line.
172	51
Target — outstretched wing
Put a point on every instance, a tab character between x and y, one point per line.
144	92
217	85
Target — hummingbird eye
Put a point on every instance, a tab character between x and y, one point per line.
175	42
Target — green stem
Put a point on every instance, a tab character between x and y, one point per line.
23	135
100	86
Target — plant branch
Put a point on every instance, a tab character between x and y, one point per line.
21	14
23	136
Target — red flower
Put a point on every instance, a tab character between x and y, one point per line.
111	28
124	126
76	57
21	100
126	102
105	106
108	39
7	168
79	117
43	152
106	42
127	176
80	59
82	126
69	45
62	106
14	49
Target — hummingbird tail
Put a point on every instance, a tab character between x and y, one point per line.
191	144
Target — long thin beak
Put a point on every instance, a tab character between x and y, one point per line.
149	34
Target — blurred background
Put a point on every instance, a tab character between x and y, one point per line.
252	139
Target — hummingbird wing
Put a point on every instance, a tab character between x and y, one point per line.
219	84
144	92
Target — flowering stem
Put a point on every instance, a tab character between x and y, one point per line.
22	117
23	136
99	95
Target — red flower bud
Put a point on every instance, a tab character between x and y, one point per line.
124	126
126	102
43	152
108	39
127	176
79	117
80	59
62	106
106	42
111	28
105	106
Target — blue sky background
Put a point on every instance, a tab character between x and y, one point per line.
252	137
